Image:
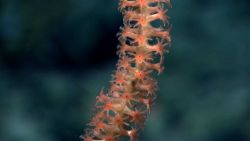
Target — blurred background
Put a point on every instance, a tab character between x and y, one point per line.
55	56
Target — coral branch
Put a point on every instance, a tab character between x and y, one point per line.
122	110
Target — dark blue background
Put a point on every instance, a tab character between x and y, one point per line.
55	55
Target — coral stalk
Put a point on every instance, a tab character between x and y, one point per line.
123	108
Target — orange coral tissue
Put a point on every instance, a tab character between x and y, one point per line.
144	38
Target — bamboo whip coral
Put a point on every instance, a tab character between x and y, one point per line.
122	109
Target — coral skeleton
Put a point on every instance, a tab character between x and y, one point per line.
121	110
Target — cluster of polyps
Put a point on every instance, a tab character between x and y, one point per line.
122	110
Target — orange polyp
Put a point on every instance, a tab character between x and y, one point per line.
100	126
139	59
126	96
108	106
136	117
118	120
139	74
142	21
143	3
